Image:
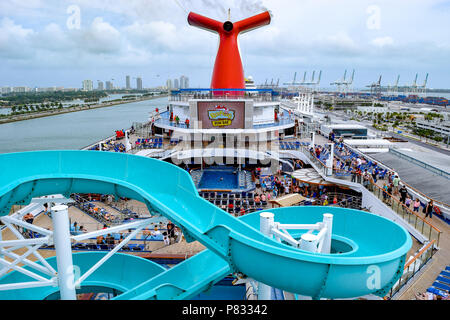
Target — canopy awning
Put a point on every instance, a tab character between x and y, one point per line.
309	175
289	200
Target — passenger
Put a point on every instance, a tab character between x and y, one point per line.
146	233
375	175
429	209
263	197
100	240
403	193
408	202
416	205
81	230
171	230
389	191
366	179
396	182
156	232
166	239
354	173
28	218
110	241
178	235
46	211
385	192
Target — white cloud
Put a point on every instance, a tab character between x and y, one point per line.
382	41
14	40
100	38
154	35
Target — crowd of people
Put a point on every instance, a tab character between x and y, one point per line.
269	187
369	172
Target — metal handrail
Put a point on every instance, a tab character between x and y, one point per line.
314	159
428	251
419	253
443	204
425	196
405	209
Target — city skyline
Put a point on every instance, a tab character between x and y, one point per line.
45	45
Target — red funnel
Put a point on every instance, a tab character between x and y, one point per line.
228	70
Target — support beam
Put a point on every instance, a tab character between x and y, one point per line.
266	224
325	244
63	247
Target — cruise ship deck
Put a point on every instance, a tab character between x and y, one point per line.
228	193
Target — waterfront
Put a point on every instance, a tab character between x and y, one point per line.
73	131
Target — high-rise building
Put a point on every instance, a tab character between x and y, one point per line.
182	82
169	84
128	86
88	85
100	86
139	83
5	90
21	89
176	84
109	85
186	82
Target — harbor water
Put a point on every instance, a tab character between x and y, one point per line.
73	131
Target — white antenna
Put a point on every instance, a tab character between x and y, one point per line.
229	14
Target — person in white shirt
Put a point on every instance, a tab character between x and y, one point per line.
166	239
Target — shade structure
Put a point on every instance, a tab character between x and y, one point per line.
289	200
310	176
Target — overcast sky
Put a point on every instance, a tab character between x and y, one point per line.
62	42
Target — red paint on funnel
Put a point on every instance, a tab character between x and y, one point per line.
228	70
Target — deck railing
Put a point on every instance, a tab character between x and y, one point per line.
419	223
412	267
443	206
322	167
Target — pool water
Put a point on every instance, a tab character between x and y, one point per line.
220	178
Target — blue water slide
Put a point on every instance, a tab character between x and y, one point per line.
369	250
109	278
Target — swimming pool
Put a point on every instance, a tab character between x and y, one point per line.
220	178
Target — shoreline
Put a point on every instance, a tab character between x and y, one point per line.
71	110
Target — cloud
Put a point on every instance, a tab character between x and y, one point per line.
382	41
153	36
14	40
100	37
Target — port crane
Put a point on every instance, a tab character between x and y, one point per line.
375	88
344	85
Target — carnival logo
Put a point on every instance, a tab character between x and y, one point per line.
221	116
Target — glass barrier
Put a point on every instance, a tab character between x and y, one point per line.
412	267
